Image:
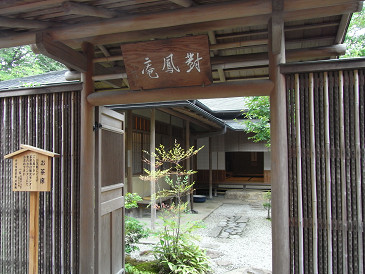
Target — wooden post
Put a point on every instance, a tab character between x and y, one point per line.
187	145
33	231
153	181
129	151
87	176
210	170
279	150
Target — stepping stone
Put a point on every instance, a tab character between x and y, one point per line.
214	232
213	254
223	263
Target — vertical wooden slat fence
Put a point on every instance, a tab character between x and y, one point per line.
326	152
51	122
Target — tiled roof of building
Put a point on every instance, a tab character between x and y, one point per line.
46	79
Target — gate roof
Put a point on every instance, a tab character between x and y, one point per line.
237	30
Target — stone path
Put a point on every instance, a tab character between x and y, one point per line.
232	227
236	237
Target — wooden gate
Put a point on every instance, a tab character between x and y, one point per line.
326	152
109	191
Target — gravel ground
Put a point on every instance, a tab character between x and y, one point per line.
245	248
251	251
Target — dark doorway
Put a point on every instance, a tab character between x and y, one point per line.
245	164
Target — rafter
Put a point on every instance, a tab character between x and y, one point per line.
183	3
82	9
185	117
22	23
168	24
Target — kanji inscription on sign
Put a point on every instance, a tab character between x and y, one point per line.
168	63
31	172
31	169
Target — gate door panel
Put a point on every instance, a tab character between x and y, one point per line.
109	192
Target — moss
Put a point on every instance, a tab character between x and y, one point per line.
145	267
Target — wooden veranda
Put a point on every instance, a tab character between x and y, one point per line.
249	40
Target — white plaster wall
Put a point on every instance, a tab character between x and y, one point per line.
143	188
203	154
237	141
267	160
218	153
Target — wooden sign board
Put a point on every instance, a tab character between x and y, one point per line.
168	63
31	169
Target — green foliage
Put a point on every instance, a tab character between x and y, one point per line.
267	204
142	268
131	200
257	118
355	37
134	231
20	62
175	250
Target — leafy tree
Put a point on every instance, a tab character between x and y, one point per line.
20	62
355	37
175	251
257	118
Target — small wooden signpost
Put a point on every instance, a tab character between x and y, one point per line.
32	172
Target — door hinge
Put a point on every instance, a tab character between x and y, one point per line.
97	126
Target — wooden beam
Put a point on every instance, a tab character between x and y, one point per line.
341	32
60	52
328	65
82	9
313	4
222	76
27	6
231	45
108	59
183	3
320	52
175	31
261	59
233	89
71	58
316	12
22	23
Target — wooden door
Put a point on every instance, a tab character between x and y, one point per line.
109	244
